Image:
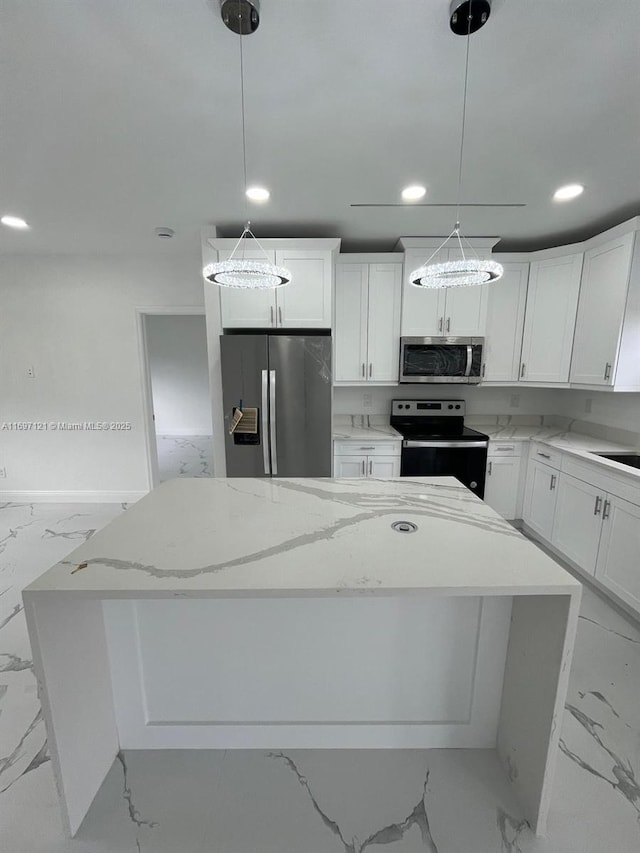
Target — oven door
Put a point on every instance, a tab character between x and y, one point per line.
464	460
440	360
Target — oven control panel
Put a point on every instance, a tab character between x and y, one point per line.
427	408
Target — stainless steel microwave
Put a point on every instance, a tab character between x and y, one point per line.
441	360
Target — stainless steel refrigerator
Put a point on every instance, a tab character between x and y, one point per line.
287	378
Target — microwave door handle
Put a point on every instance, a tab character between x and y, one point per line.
467	371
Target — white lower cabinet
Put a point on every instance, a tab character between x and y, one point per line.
578	519
540	498
502	484
370	461
618	565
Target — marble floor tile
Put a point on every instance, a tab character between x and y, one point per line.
184	456
433	801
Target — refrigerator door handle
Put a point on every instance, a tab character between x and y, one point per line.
265	423
272	420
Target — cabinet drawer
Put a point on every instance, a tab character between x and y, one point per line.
368	448
545	454
505	448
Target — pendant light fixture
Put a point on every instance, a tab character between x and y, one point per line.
239	271
468	270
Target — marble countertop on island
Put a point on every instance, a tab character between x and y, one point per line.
297	537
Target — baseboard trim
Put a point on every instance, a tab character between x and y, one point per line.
106	497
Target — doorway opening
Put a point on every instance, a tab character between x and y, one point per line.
178	385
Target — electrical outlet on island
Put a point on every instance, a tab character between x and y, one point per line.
3	473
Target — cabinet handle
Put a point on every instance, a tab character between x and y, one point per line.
271	310
490	467
544	455
280	314
363	370
367	448
607	371
509	448
363	468
370	369
552	484
370	467
448	324
522	370
597	507
605	511
440	324
483	370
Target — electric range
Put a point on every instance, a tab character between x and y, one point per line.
436	443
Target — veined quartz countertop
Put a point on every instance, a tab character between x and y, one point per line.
274	537
363	428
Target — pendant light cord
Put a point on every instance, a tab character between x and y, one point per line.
464	117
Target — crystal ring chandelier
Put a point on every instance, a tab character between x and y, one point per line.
239	271
246	273
466	271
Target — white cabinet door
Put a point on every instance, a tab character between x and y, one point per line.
383	466
550	316
540	498
501	485
618	566
350	466
578	521
465	307
422	308
247	309
385	295
603	295
505	321
305	303
350	333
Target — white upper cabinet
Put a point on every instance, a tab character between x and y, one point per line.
550	315
247	309
367	322
601	312
350	332
426	312
423	309
385	297
304	303
505	321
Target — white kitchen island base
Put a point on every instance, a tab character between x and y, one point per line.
282	614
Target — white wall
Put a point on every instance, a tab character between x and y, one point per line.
480	401
179	372
74	320
621	411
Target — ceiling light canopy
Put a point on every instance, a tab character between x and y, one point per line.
414	192
258	193
14	222
568	192
467	271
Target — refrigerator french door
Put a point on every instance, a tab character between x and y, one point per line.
287	378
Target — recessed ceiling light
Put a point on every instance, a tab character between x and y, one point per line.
568	192
258	193
413	193
14	222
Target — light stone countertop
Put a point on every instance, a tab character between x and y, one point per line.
363	428
305	537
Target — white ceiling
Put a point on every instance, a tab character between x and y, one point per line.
117	116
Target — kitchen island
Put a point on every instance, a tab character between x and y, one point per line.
303	613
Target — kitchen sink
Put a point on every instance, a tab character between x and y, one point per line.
630	459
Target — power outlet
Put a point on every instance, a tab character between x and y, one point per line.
31	373
514	402
367	401
587	405
3	473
